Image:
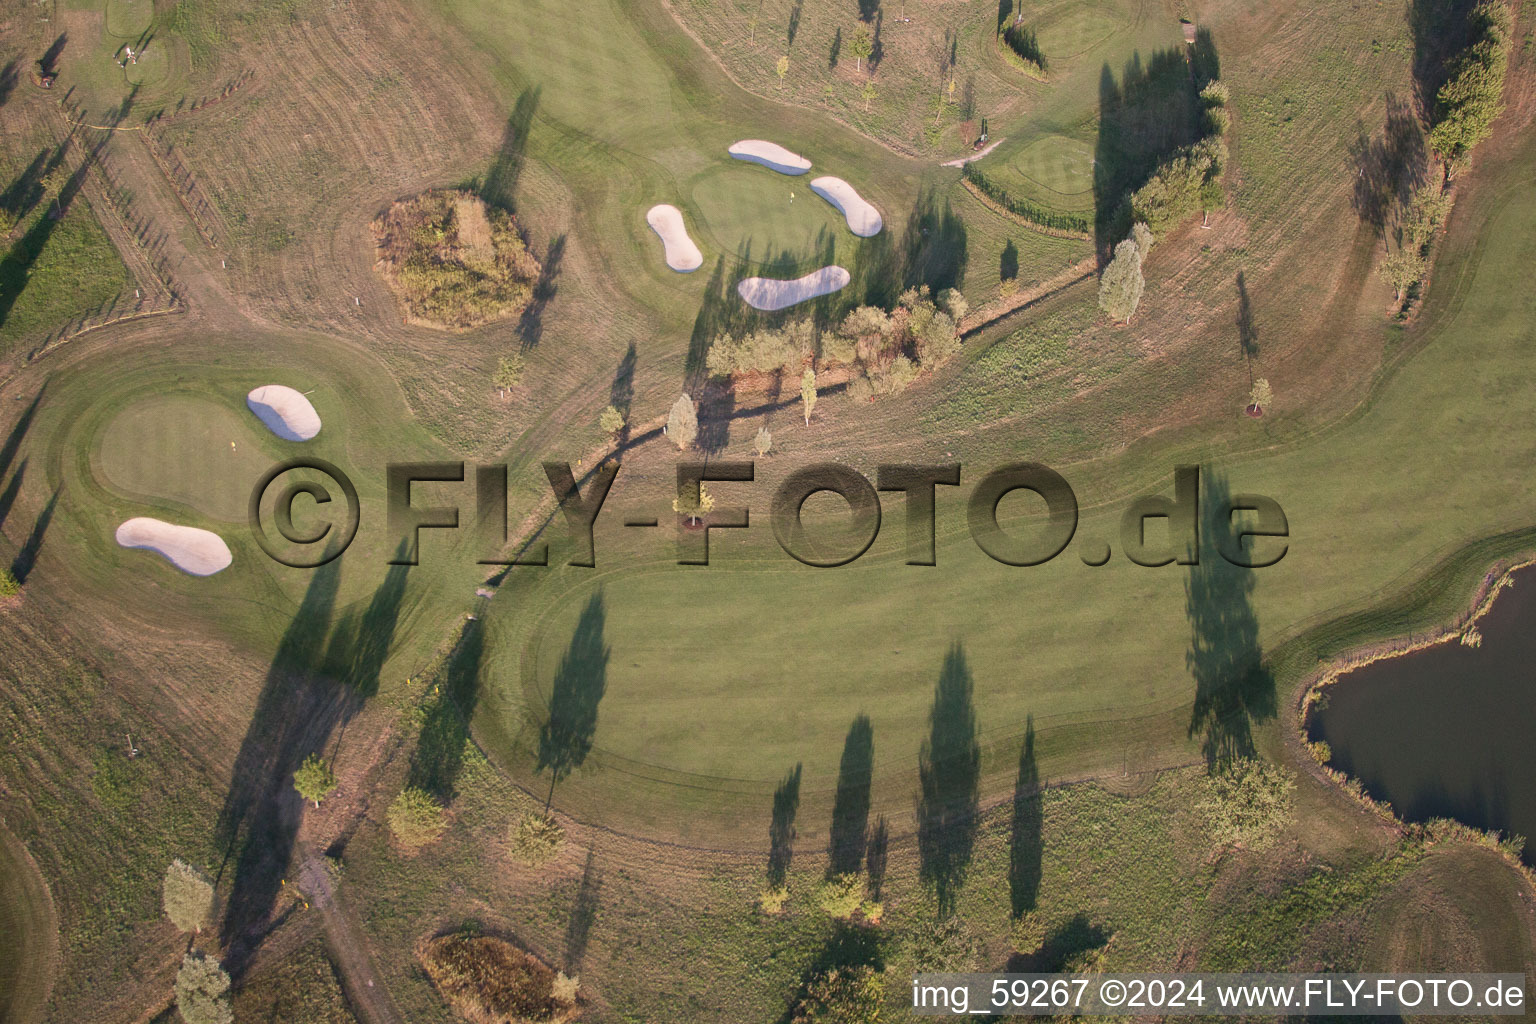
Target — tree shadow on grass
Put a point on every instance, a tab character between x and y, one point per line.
578	928
949	771
781	830
621	393
565	738
26	558
1439	29
530	325
1153	110
1026	845
1388	165
850	806
1247	333
876	852
1233	686
500	185
439	755
300	706
1066	942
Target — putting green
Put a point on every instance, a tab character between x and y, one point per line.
178	448
152	67
129	19
1071	30
1062	167
748	209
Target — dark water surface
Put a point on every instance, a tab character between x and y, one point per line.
1449	731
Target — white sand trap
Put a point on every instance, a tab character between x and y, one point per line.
199	552
286	412
770	154
767	293
863	219
682	255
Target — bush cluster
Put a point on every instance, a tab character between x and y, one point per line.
487	979
1188	180
1469	102
1080	222
455	261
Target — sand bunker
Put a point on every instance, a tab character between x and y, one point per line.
667	221
766	293
285	411
199	552
770	154
863	219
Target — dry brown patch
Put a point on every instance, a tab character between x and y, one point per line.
487	980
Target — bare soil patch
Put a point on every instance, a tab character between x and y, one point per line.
488	980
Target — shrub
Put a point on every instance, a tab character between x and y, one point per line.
314	780
1023	45
9	586
1248	803
843	995
764	349
1175	190
187	896
1028	932
1035	213
772	899
842	895
202	991
490	981
1469	102
454	261
536	839
415	818
946	946
1122	284
611	420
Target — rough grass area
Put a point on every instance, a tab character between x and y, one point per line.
301	988
454	261
487	980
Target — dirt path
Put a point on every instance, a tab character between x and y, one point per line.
343	932
962	161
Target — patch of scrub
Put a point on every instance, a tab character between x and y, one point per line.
681	252
769	294
770	154
285	411
863	219
194	551
31	934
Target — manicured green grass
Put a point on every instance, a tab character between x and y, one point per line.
1070	30
741	205
1062	167
185	448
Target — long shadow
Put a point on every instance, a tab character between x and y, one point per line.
621	393
850	807
12	489
1026	845
794	23
530	325
26	189
1439	29
19	431
500	186
949	773
1247	333
578	928
781	830
1233	686
876	853
1069	939
837	48
26	558
299	708
717	407
934	245
439	754
1153	110
565	738
9	75
1388	166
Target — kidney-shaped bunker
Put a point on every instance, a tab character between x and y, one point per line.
286	412
770	154
770	294
199	552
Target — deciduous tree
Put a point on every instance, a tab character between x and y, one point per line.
781	69
686	504
314	780
1402	269
187	896
611	420
1122	284
415	818
1261	395
861	46
202	991
683	422
808	392
763	443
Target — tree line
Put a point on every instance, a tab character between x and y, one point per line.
1036	213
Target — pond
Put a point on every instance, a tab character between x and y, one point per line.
1446	731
